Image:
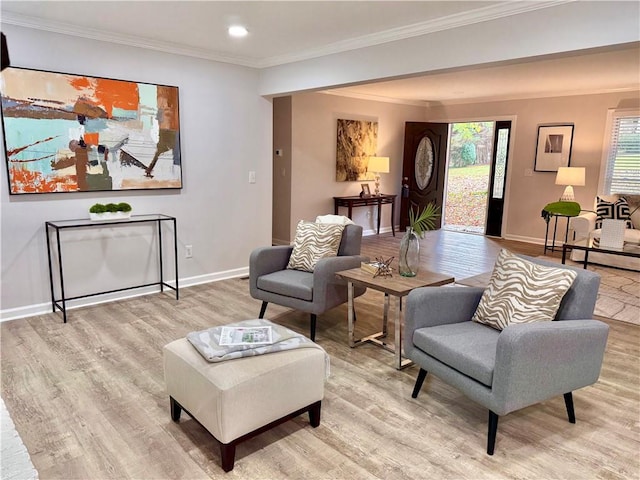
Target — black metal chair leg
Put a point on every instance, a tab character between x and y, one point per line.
313	327
568	401
263	309
422	374
493	429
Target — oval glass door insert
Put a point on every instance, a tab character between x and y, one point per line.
424	163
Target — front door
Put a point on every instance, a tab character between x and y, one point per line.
423	167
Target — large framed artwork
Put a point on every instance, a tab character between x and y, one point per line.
76	133
554	147
357	141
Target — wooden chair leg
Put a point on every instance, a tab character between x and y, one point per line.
422	374
228	455
263	309
313	327
176	408
314	414
493	430
568	401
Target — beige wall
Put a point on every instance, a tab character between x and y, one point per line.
313	175
527	195
313	126
281	170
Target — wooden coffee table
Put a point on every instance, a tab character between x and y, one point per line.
397	287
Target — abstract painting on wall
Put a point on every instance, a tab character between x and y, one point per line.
73	133
357	141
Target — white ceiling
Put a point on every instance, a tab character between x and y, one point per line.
286	31
601	71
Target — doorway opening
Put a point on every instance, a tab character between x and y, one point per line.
468	175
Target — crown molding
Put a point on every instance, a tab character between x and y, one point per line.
486	99
471	17
375	98
479	15
10	18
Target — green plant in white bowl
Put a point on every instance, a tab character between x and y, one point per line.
110	211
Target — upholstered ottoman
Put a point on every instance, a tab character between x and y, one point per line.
237	399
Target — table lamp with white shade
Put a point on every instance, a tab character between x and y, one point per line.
378	165
570	176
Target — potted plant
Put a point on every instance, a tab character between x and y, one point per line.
110	211
419	223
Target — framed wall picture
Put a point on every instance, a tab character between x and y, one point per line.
357	141
553	149
75	133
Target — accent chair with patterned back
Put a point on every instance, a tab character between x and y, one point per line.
482	343
303	276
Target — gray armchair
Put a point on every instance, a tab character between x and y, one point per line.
312	292
510	369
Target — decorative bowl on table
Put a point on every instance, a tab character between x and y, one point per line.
110	211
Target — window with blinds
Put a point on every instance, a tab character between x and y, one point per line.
622	169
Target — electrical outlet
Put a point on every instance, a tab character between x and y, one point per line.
188	251
252	176
368	214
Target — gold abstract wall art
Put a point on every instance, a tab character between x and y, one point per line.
357	141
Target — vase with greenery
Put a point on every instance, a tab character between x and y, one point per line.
419	223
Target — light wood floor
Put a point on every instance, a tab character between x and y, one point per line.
88	397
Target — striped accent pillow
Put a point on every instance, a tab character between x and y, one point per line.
618	210
520	291
314	241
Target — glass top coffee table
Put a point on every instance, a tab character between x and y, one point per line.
397	287
628	250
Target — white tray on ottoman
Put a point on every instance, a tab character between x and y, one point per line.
237	399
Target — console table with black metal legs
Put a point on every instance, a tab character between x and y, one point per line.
356	201
57	226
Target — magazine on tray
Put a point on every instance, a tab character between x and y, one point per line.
246	336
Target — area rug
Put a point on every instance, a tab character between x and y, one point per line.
15	463
618	297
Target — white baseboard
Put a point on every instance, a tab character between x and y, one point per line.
519	238
46	308
366	233
277	241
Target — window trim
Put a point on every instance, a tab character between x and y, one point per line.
612	114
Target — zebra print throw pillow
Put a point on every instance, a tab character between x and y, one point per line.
520	291
618	210
314	241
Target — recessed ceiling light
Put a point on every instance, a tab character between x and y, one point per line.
238	31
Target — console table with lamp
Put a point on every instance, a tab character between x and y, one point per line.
376	165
